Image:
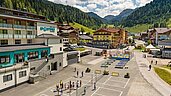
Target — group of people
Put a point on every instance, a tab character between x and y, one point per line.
82	73
151	64
70	85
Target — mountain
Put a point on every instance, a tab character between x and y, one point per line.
95	16
125	13
52	11
113	19
109	17
157	12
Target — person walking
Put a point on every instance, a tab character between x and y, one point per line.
151	61
77	74
80	83
156	62
75	69
57	89
84	90
94	85
149	67
82	73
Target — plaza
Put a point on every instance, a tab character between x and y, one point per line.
106	85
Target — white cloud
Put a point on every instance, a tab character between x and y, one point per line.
103	7
91	6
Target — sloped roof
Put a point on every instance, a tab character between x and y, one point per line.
162	30
85	37
21	47
48	36
150	47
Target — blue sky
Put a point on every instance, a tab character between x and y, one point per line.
103	7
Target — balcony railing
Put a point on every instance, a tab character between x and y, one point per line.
31	27
6	36
30	36
19	26
5	25
19	36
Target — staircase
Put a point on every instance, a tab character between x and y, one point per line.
39	68
37	75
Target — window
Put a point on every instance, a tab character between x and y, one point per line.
3	32
7	78
29	41
30	23
60	48
32	55
60	40
44	53
4	59
60	64
3	20
4	42
17	22
18	32
29	32
19	57
22	74
18	41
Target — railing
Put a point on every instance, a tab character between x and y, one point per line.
6	36
19	26
40	68
30	36
19	36
31	27
5	25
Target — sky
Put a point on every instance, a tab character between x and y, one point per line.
103	7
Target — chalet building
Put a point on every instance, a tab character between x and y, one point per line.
159	34
109	38
69	34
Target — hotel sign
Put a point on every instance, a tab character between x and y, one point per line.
51	29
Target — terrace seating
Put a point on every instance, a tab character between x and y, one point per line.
121	64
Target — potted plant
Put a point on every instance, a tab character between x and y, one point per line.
105	72
127	75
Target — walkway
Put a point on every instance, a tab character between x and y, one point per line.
151	77
101	59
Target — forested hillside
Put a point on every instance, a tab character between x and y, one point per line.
158	12
52	11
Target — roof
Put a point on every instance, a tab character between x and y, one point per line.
65	27
85	37
21	47
163	30
67	31
150	30
150	47
47	36
21	11
112	30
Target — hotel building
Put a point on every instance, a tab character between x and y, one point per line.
30	48
109	38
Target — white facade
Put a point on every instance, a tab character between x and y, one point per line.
45	28
65	62
17	78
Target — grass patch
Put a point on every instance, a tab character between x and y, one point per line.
80	49
86	29
163	74
165	66
139	28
